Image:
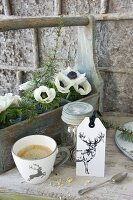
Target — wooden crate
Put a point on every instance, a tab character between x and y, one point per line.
87	63
50	123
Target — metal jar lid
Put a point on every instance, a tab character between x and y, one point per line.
73	113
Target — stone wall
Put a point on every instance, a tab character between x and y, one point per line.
114	47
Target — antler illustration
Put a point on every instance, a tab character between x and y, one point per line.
88	141
82	137
38	167
99	138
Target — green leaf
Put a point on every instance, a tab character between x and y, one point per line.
10	115
126	134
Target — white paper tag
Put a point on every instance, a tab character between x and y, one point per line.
90	150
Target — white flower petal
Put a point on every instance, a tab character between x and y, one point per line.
62	83
51	95
80	77
4	104
38	91
8	100
83	88
8	95
67	70
27	85
50	92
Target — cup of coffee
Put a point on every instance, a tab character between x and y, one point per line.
35	157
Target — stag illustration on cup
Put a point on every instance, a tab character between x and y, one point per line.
88	154
39	172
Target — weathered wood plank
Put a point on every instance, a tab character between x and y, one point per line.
16	23
116	70
86	58
17	196
114	16
48	123
17	68
104	6
57	7
98	17
102	69
57	185
7	8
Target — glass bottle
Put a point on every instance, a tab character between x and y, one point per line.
72	115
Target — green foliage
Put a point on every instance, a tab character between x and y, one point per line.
44	75
29	107
73	95
125	133
10	115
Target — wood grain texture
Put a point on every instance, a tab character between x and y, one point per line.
17	196
114	43
81	20
86	58
7	7
16	23
58	186
114	16
57	7
104	6
49	123
14	68
116	70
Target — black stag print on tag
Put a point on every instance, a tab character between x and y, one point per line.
89	153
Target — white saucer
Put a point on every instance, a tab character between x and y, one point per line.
125	146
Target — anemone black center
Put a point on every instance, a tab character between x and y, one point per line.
44	95
72	75
80	86
62	84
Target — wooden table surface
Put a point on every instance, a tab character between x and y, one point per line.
64	185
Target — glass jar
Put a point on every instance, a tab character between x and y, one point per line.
72	115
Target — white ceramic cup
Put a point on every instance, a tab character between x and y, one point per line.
38	170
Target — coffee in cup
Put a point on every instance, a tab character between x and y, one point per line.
35	157
32	152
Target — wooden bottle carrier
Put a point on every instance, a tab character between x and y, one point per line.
50	123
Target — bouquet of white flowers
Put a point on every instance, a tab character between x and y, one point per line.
43	93
9	109
46	91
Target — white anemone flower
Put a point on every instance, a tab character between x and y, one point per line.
83	88
74	76
8	100
27	85
62	83
44	94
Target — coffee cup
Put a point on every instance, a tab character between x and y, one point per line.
35	157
